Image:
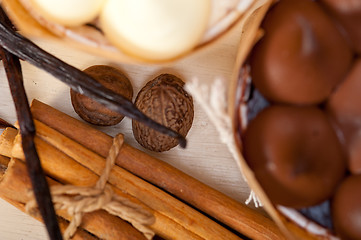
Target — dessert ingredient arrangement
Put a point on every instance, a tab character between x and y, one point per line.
14	46
162	99
80	163
300	131
166	30
23	48
73	153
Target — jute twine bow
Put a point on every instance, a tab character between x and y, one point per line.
79	200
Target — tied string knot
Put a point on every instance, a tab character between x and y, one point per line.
78	200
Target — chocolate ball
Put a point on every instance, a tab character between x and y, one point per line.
346	208
348	14
301	57
295	155
94	112
345	110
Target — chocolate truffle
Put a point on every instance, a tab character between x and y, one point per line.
348	14
295	155
346	208
345	110
94	112
301	57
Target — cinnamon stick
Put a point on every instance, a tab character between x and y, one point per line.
150	195
4	161
232	213
163	226
99	223
7	141
15	185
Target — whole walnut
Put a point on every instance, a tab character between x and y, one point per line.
165	101
94	112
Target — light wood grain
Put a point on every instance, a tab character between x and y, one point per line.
205	158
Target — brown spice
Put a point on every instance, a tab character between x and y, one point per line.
165	101
94	112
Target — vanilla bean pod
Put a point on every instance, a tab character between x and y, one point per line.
27	131
4	124
76	79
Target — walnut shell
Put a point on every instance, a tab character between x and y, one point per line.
94	112
165	101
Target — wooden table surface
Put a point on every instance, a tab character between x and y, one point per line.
205	158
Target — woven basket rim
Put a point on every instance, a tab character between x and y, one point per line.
92	40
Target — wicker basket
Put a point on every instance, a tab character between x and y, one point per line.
293	224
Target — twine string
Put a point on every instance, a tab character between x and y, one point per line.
77	200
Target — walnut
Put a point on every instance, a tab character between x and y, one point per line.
94	112
165	101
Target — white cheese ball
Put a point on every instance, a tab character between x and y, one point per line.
68	12
155	29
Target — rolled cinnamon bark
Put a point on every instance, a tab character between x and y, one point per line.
15	185
100	223
6	141
163	226
228	211
4	161
52	146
